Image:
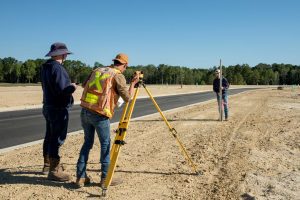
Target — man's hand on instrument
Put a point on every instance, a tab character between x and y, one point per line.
135	79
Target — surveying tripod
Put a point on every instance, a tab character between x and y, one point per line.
122	130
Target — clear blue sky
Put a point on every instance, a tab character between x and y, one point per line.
191	33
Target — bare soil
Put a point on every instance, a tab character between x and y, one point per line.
254	155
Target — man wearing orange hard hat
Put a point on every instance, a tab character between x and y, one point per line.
102	89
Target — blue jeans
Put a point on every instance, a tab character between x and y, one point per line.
224	103
90	122
57	120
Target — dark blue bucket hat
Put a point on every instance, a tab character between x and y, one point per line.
58	49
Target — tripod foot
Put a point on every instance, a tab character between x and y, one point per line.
198	173
104	192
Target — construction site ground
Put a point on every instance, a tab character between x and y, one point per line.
254	155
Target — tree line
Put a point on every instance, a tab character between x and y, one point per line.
14	71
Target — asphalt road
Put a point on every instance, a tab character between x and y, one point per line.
19	127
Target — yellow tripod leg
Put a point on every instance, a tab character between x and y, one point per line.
173	132
120	122
119	140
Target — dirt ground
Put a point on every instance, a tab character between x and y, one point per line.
254	155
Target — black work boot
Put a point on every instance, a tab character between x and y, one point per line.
56	171
46	167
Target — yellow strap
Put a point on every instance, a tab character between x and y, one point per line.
107	112
117	71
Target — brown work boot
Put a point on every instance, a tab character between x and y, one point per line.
80	182
114	182
102	182
46	167
56	171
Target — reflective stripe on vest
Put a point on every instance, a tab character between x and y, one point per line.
98	77
92	98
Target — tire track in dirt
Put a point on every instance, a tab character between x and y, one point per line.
273	158
220	184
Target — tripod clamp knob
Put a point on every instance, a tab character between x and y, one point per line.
120	142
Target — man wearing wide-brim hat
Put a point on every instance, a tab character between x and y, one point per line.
57	99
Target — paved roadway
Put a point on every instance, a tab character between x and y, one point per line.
19	127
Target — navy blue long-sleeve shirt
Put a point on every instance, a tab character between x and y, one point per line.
216	85
56	84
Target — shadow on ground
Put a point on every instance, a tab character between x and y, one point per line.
176	120
23	175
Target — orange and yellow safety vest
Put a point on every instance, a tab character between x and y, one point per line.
99	95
